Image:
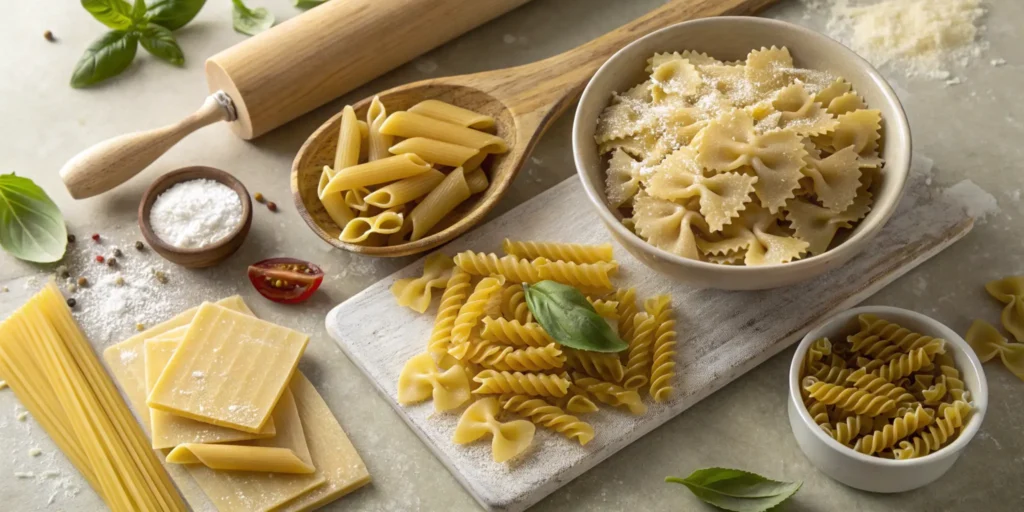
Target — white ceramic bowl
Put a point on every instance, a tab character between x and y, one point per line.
731	38
876	474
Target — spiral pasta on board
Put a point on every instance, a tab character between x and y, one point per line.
485	332
885	390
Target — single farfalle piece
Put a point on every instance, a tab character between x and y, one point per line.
845	104
837	88
480	419
730	143
722	196
987	342
623	179
758	236
668	226
415	293
676	77
862	130
800	113
767	68
1010	291
818	225
624	117
421	379
835	178
549	415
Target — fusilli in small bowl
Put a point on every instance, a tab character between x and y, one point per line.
727	39
872	473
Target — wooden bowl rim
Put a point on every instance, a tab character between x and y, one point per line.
460	227
183	174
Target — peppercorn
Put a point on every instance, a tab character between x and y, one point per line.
117	252
65	274
49	36
160	276
258	197
72	287
95	237
71	239
140	327
99	258
111	262
82	281
139	246
72	302
272	206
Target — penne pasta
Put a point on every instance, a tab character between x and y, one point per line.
474	162
333	203
349	140
404	191
361	228
477	181
409	125
438	203
390	169
355	199
449	113
377	143
435	151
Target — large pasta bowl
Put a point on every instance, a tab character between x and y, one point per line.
730	39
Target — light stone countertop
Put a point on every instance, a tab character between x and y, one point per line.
973	131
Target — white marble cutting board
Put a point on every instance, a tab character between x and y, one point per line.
722	335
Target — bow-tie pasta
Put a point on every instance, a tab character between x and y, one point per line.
740	163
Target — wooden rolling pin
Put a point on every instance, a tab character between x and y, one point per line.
281	74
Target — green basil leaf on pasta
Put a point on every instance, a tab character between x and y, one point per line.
31	226
737	490
160	42
173	14
568	317
115	14
250	21
106	57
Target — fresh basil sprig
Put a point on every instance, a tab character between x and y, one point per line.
570	319
736	490
149	24
31	226
250	21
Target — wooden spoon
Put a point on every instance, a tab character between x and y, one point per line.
524	101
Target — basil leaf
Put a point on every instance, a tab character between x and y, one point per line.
173	14
570	319
139	12
250	21
106	57
160	42
116	14
737	490
308	4
31	226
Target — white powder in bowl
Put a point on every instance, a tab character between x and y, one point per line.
195	213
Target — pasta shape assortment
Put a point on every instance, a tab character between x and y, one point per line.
744	163
885	390
487	352
397	175
987	341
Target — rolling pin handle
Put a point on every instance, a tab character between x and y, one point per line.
113	161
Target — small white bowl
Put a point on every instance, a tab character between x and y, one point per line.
876	474
731	38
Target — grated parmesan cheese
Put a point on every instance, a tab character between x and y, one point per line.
921	38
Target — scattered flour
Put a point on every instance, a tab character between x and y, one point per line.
921	38
425	66
997	62
978	203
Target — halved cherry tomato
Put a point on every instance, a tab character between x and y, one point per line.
285	280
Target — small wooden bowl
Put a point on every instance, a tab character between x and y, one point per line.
205	256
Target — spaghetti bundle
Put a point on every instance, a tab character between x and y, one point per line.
51	368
